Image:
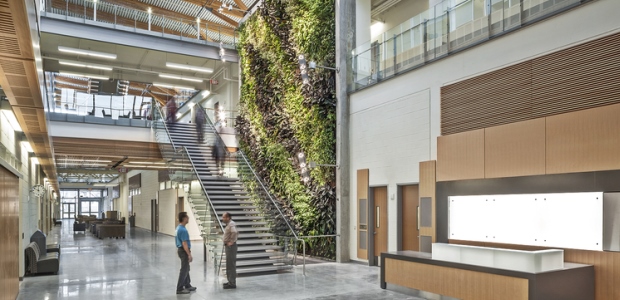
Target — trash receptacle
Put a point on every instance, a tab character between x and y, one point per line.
132	221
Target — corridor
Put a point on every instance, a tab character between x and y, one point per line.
145	266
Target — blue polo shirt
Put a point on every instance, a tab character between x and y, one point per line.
182	235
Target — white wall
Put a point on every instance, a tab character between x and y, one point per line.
142	202
389	138
401	12
551	35
103	132
167	205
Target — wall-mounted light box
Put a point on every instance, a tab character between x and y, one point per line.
588	221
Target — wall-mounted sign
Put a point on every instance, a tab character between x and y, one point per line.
122	170
214	82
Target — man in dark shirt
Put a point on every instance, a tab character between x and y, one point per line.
185	254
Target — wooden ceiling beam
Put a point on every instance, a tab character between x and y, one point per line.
241	5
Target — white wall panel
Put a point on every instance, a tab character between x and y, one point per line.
567	220
390	139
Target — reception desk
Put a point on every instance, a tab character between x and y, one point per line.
419	271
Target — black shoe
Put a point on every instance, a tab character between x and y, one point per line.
229	286
183	291
191	288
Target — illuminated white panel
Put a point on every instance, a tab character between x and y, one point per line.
566	220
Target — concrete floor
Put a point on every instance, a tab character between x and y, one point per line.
145	266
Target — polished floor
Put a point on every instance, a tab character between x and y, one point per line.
145	266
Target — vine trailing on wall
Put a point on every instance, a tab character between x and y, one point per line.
281	117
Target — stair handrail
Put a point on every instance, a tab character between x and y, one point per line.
239	151
183	148
165	125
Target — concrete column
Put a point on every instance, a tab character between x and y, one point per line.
345	39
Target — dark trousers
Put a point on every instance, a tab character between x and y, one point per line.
231	264
200	131
184	280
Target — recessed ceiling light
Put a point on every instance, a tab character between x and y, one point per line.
87	52
188	67
93	76
84	65
186	78
173	86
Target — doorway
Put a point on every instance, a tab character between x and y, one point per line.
408	223
154	215
379	223
89	207
68	211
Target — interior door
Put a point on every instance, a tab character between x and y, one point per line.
180	206
380	221
409	213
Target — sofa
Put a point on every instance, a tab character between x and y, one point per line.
79	227
41	239
110	231
36	263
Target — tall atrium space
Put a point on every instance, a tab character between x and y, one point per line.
310	149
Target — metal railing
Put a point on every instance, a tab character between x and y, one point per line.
448	27
257	188
183	173
142	21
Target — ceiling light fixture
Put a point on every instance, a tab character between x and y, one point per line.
84	65
10	116
173	86
179	77
87	52
188	67
27	145
93	76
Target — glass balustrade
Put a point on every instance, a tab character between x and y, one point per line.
142	21
448	27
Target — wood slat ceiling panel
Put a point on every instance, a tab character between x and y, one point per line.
20	82
104	148
576	78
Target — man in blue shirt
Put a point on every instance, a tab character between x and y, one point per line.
185	254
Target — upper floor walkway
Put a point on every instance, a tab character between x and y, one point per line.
444	29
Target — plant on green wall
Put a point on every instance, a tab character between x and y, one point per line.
281	117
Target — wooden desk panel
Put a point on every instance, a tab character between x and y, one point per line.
457	283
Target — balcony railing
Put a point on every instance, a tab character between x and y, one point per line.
100	13
448	27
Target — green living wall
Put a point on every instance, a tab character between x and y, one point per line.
281	117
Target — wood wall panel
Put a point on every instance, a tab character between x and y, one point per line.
362	193
427	189
457	283
606	266
516	149
587	140
9	235
576	78
460	156
409	214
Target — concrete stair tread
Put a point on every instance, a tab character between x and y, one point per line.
274	268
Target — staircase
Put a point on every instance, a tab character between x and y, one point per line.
261	246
